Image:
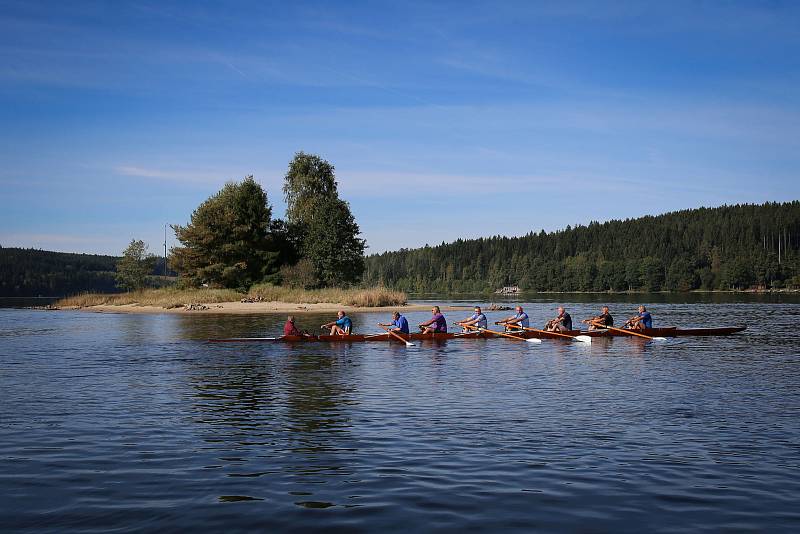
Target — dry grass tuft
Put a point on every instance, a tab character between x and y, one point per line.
176	298
376	296
165	298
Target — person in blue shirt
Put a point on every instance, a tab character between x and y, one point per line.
641	321
476	320
343	326
398	325
520	319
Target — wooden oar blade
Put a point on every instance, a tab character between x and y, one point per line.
397	336
242	339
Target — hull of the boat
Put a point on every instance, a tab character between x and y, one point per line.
670	331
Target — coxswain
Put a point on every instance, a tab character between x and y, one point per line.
437	324
399	324
519	320
289	329
343	326
601	321
641	321
562	323
476	320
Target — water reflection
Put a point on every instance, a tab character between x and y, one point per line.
286	406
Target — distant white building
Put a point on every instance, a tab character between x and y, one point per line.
508	290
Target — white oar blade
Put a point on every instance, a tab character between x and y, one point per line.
583	339
409	344
659	339
533	340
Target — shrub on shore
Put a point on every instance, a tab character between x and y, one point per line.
377	296
371	297
175	298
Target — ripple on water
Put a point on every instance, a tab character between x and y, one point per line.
116	419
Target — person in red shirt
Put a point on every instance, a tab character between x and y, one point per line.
289	329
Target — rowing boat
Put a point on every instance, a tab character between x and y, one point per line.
669	331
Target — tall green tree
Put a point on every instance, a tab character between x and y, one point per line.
332	244
228	241
309	180
134	266
328	232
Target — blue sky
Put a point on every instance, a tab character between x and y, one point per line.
443	119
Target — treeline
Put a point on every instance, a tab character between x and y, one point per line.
726	248
33	273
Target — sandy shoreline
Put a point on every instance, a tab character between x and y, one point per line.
245	308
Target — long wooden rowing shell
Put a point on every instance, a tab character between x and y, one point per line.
669	331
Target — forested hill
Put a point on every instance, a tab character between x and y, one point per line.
730	247
30	273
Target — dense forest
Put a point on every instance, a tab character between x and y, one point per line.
729	247
33	273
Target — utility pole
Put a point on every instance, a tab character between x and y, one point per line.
165	251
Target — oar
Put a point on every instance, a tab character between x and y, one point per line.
243	339
630	332
460	334
581	338
467	332
529	340
370	336
392	333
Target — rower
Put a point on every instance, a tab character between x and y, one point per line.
562	323
343	326
601	321
641	321
437	324
516	321
476	320
399	324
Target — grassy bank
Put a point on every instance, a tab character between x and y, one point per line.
366	298
175	298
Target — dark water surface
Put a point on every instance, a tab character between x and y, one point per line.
111	421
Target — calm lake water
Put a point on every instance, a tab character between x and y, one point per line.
133	422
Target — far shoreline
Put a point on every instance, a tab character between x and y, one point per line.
252	308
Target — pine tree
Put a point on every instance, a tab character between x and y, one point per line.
228	241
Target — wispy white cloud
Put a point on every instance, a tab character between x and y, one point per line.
192	176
